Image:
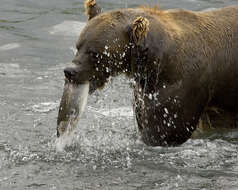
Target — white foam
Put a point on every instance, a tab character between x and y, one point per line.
67	28
61	142
64	140
115	112
44	107
13	70
10	46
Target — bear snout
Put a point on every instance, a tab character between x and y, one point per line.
70	73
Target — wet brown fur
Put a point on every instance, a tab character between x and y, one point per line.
151	10
140	28
193	54
91	8
89	3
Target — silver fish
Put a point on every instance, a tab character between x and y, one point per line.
72	105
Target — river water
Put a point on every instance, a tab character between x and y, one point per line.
37	40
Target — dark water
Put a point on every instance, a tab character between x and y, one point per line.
37	40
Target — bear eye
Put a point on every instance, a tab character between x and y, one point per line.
92	53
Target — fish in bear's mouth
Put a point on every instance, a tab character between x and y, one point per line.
72	105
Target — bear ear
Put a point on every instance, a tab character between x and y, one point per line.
140	29
92	9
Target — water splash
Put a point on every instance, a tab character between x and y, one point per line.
114	112
10	46
64	141
44	107
67	28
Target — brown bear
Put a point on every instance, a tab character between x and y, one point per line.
184	64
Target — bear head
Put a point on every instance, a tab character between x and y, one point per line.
104	46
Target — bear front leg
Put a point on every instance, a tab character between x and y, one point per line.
168	116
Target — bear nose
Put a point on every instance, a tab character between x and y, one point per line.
69	73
